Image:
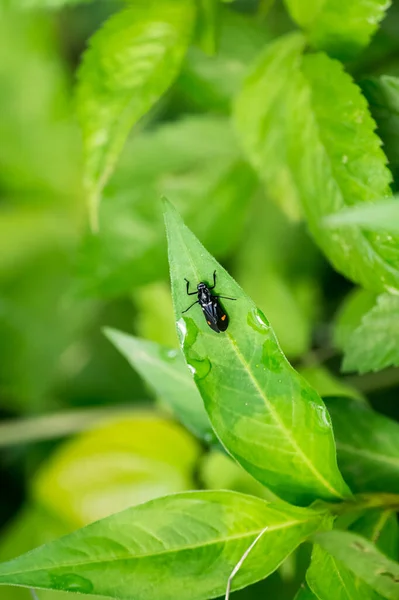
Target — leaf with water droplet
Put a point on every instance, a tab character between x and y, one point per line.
265	414
162	548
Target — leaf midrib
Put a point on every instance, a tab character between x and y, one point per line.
163	552
273	413
368	454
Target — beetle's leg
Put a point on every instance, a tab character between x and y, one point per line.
225	297
187	286
214	281
191	305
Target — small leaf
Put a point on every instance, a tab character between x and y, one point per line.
356	304
382	94
130	63
165	371
380	527
207	26
339	27
374	344
383	216
307	130
364	560
123	462
329	579
367	446
250	391
156	550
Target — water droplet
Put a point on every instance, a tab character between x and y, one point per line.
272	357
72	583
257	320
199	367
187	332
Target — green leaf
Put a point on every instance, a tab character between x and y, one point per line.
367	446
382	94
165	371
125	461
197	162
339	27
307	130
381	527
128	66
356	304
383	216
156	550
250	391
364	560
331	580
374	344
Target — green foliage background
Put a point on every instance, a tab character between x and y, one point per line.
283	161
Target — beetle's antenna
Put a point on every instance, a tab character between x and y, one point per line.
241	561
34	595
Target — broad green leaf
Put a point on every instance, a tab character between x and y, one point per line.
382	94
268	418
374	344
165	371
197	162
330	579
157	550
118	464
364	559
356	304
31	527
339	27
307	130
367	446
131	61
383	217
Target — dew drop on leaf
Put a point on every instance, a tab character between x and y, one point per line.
257	320
72	583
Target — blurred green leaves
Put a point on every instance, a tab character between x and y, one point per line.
304	125
196	161
126	461
339	27
130	63
248	386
